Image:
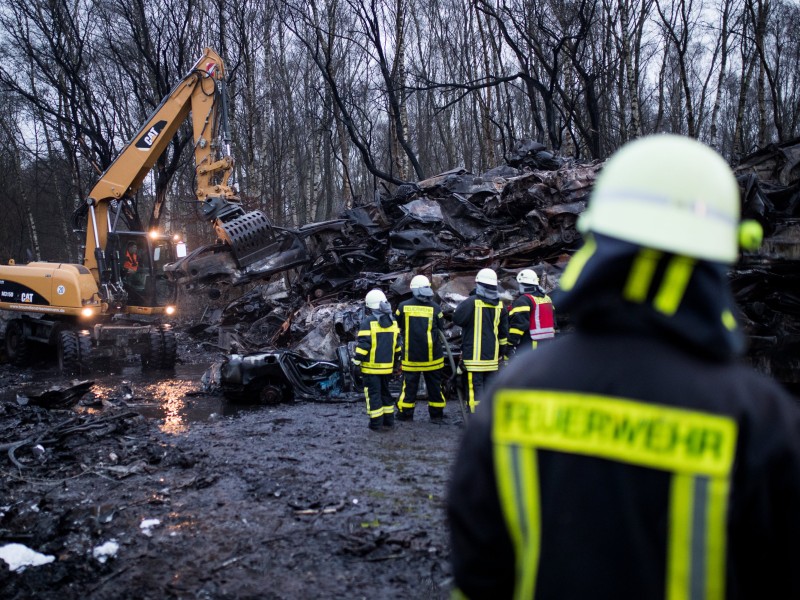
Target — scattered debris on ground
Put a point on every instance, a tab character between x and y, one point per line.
135	485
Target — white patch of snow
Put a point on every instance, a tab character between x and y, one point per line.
17	557
105	551
147	526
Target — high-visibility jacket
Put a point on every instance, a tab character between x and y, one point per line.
531	315
378	344
131	262
626	467
420	324
484	336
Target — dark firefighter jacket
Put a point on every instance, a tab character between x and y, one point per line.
485	332
131	262
378	344
530	317
631	459
420	324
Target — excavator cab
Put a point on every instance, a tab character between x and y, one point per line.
138	260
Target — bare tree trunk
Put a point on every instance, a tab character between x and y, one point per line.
748	63
627	58
723	65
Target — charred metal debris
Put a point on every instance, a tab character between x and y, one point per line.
766	283
291	337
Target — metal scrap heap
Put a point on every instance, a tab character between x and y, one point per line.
521	215
766	283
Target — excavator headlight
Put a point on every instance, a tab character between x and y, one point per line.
170	310
87	312
153	234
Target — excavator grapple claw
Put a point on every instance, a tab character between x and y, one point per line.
250	237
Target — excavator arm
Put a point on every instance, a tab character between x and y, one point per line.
243	238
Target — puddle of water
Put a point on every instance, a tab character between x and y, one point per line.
176	399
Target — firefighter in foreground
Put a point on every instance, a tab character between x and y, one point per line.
420	321
484	336
377	348
531	316
637	457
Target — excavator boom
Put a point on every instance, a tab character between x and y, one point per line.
243	238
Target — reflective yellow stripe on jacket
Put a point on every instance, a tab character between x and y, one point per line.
371	363
476	363
410	312
696	448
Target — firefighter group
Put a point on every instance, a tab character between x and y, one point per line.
412	341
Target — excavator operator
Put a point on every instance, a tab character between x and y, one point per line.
131	264
134	278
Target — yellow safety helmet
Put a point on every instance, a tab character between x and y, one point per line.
670	193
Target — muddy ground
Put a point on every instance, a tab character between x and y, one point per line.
297	500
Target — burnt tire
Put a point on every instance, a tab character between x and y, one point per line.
74	352
170	347
18	347
154	355
162	348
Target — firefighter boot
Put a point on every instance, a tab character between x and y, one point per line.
405	414
436	414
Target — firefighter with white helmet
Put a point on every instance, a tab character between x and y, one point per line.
531	315
484	337
637	457
420	320
377	349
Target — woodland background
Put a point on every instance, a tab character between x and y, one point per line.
334	101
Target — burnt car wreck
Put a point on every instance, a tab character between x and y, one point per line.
291	334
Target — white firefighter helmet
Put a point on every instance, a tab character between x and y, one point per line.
419	281
527	277
374	298
671	193
486	277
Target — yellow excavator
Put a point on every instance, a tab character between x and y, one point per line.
113	305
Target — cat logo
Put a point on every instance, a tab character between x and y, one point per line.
26	297
146	142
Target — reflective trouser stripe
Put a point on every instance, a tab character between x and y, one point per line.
373	413
696	553
482	365
471	401
402	404
518	484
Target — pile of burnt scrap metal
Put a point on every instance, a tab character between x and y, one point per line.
767	282
295	330
447	227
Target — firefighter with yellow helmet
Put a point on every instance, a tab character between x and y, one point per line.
421	320
531	315
484	334
377	349
637	457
